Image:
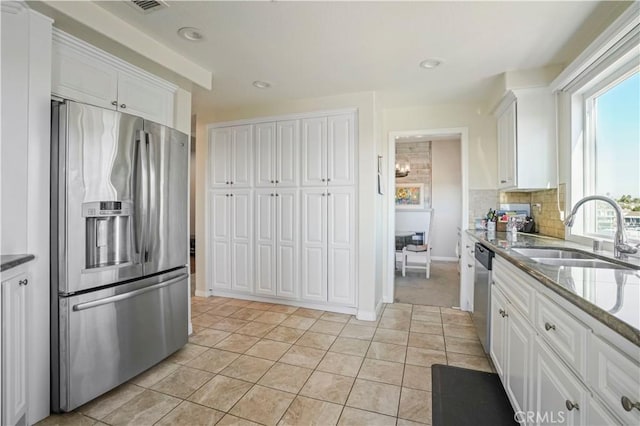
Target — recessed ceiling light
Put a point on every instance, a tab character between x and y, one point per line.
191	34
261	84
431	63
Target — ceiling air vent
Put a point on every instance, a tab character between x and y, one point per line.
147	6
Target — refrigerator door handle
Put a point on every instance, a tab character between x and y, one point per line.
112	299
144	161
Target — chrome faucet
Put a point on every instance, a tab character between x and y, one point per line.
620	246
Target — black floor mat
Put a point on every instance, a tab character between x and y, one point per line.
468	397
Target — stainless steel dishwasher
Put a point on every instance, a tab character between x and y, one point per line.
482	293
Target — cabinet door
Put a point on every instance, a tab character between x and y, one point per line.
341	245
265	148
555	386
220	239
498	335
220	157
83	78
518	366
597	414
314	151
265	218
287	160
314	245
14	349
507	145
341	150
241	240
142	97
241	163
287	242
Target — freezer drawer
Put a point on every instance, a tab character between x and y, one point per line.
109	336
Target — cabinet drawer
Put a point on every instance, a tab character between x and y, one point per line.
613	376
515	286
565	334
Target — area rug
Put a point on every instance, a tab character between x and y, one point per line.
468	397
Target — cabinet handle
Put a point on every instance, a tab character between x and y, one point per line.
503	313
571	405
628	405
548	326
114	103
23	282
503	181
123	105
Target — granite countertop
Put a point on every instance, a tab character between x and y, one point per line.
9	261
612	296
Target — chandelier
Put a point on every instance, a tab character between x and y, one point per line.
402	171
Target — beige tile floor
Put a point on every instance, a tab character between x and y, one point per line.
259	363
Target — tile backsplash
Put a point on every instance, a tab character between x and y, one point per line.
548	214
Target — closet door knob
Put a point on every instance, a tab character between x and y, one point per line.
548	326
114	103
123	105
23	282
571	405
629	405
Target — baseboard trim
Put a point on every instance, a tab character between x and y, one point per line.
201	293
444	259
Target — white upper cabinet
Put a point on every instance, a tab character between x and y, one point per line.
328	150
84	73
276	152
526	140
230	150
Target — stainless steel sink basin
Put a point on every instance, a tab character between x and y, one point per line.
557	256
579	263
552	253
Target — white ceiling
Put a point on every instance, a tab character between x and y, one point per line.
312	49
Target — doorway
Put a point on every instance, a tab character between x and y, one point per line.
437	160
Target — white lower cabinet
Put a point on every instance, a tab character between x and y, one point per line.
14	349
328	245
510	349
231	239
276	242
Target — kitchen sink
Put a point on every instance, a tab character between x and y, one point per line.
552	253
578	263
556	256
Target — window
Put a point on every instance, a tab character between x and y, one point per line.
612	152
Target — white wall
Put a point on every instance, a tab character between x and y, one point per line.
447	197
365	102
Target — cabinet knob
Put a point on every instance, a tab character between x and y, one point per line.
226	195
114	103
231	182
123	105
277	181
548	326
328	193
230	195
571	405
323	194
503	313
272	181
322	179
328	179
629	405
503	181
277	195
470	265
272	194
23	282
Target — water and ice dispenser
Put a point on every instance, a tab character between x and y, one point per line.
109	233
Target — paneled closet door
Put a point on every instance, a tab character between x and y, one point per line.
241	160
219	157
265	148
341	150
341	246
287	149
287	242
314	245
241	240
220	239
314	151
265	219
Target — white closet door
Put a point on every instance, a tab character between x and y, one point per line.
341	150
219	157
288	160
341	245
241	239
265	148
314	245
220	240
287	242
314	151
241	162
265	240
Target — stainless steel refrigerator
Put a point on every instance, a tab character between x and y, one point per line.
119	236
